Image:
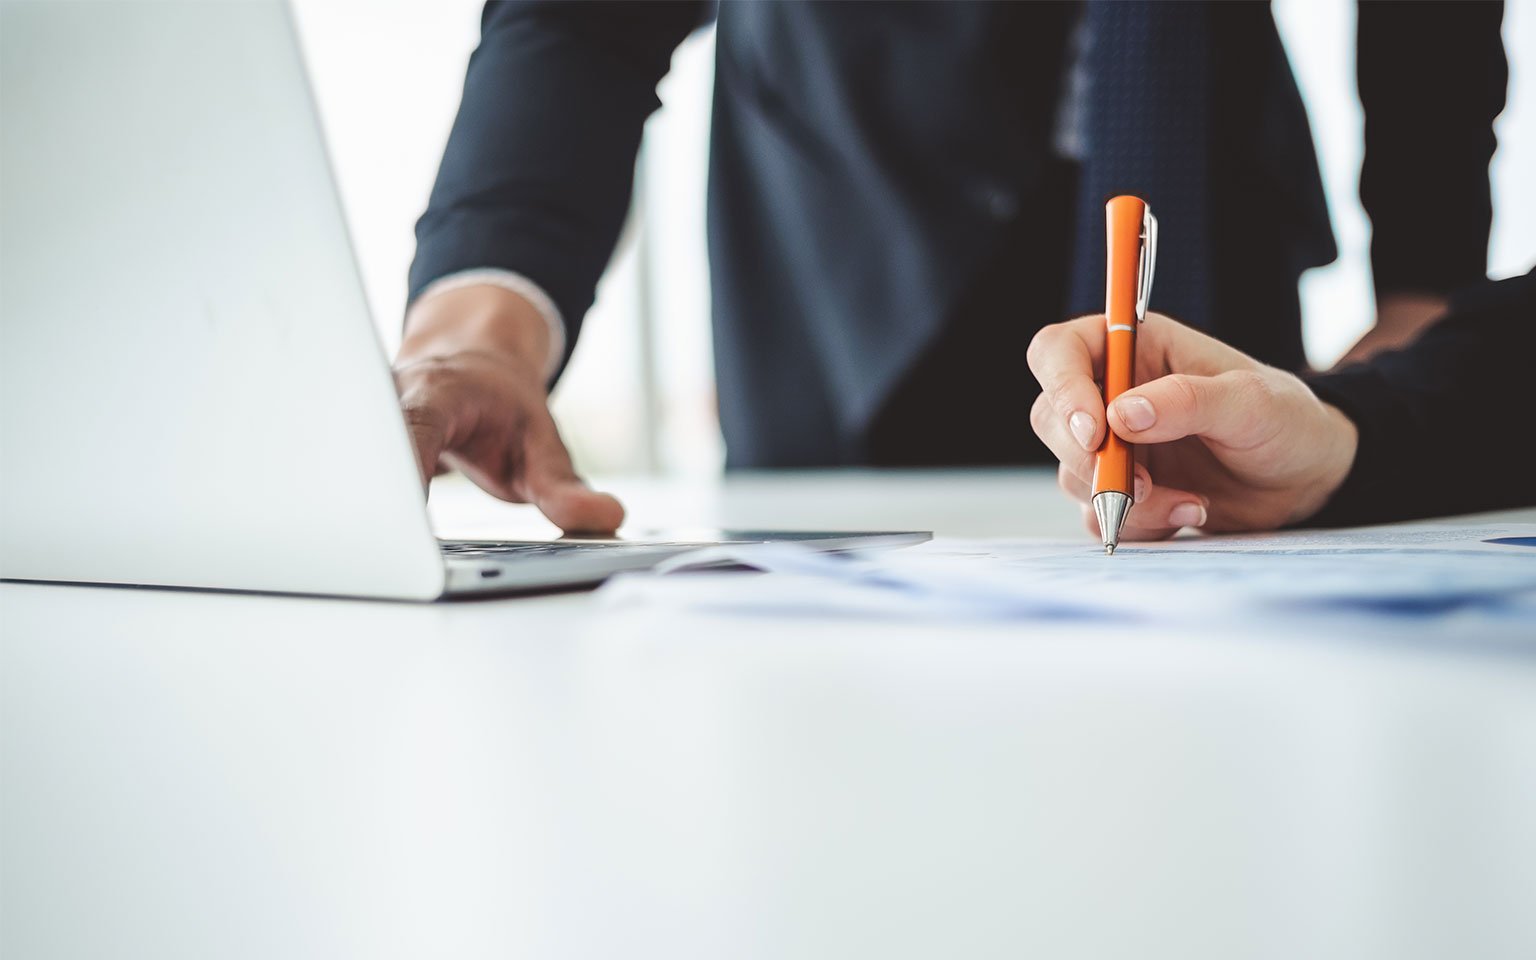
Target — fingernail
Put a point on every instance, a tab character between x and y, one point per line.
1138	490
1137	412
1082	427
1187	515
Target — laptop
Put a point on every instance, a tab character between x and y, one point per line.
192	392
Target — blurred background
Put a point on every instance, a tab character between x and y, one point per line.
638	396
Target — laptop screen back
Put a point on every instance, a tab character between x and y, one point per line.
191	390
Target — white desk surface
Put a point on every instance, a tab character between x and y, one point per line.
203	775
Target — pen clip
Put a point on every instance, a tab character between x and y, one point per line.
1147	263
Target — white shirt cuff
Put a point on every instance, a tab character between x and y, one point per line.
515	283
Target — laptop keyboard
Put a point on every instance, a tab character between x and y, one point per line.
504	550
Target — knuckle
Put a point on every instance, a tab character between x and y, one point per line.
1037	413
1183	391
422	402
436	376
1250	386
1061	402
1040	345
423	377
1254	399
422	417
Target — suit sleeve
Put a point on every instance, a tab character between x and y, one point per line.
1443	427
539	167
1432	79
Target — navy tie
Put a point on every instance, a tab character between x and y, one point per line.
1143	124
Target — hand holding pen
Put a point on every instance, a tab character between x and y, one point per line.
1223	442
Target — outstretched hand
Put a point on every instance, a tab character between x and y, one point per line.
470	375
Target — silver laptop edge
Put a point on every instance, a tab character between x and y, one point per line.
192	391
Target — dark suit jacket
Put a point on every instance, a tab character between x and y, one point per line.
1442	423
886	217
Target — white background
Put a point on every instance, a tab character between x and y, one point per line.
388	75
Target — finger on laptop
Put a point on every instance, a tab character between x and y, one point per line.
549	480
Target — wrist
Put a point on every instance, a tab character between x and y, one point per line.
478	318
1408	311
1340	442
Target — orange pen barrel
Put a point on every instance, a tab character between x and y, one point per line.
1114	465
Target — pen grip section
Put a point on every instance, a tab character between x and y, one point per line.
1114	467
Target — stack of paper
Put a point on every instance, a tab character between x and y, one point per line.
1417	570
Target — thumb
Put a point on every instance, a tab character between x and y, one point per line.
1234	409
549	481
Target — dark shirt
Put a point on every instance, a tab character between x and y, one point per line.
1446	424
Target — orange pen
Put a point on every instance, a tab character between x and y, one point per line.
1131	255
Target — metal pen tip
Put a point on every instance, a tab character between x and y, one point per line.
1110	507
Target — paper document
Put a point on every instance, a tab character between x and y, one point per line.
1422	569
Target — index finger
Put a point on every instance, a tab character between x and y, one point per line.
549	481
1065	357
1164	345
